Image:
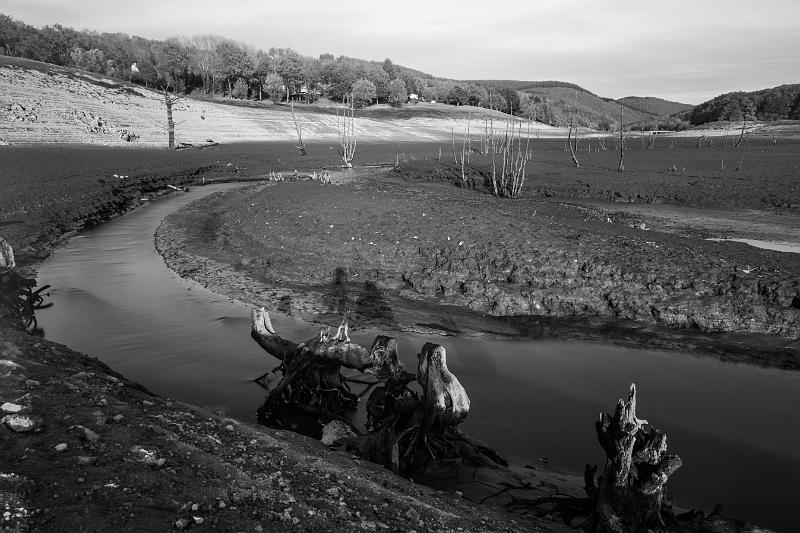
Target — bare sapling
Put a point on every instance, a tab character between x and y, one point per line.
345	126
511	178
297	126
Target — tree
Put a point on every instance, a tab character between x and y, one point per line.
201	58
274	87
380	79
388	66
397	93
172	63
363	92
289	66
231	62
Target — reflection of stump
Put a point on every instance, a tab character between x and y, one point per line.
629	493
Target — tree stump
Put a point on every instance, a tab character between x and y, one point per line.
629	494
405	430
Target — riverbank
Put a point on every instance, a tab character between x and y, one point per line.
86	449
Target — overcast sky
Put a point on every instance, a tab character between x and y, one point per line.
684	50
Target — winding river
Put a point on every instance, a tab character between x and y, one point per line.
736	427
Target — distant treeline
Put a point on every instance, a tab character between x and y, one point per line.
217	65
778	103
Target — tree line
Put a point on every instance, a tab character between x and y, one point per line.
214	65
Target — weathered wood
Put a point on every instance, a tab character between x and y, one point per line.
6	256
406	431
629	494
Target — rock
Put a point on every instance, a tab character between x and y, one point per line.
9	364
412	515
181	523
31	383
118	418
61	447
85	460
19	424
10	408
89	435
335	430
198	519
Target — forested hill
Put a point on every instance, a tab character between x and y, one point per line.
778	103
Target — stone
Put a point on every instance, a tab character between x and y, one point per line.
90	435
412	515
181	523
118	418
10	408
334	431
19	424
61	447
85	460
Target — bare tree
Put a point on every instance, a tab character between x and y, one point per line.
297	126
345	126
572	148
512	175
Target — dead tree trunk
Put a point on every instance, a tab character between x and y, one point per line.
629	494
169	101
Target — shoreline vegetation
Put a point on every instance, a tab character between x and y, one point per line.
104	453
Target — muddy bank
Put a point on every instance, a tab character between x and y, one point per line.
505	258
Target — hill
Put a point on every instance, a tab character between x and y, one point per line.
777	103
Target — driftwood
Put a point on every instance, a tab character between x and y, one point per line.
405	431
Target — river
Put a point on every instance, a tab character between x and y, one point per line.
736	427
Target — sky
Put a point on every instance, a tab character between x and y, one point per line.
682	50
